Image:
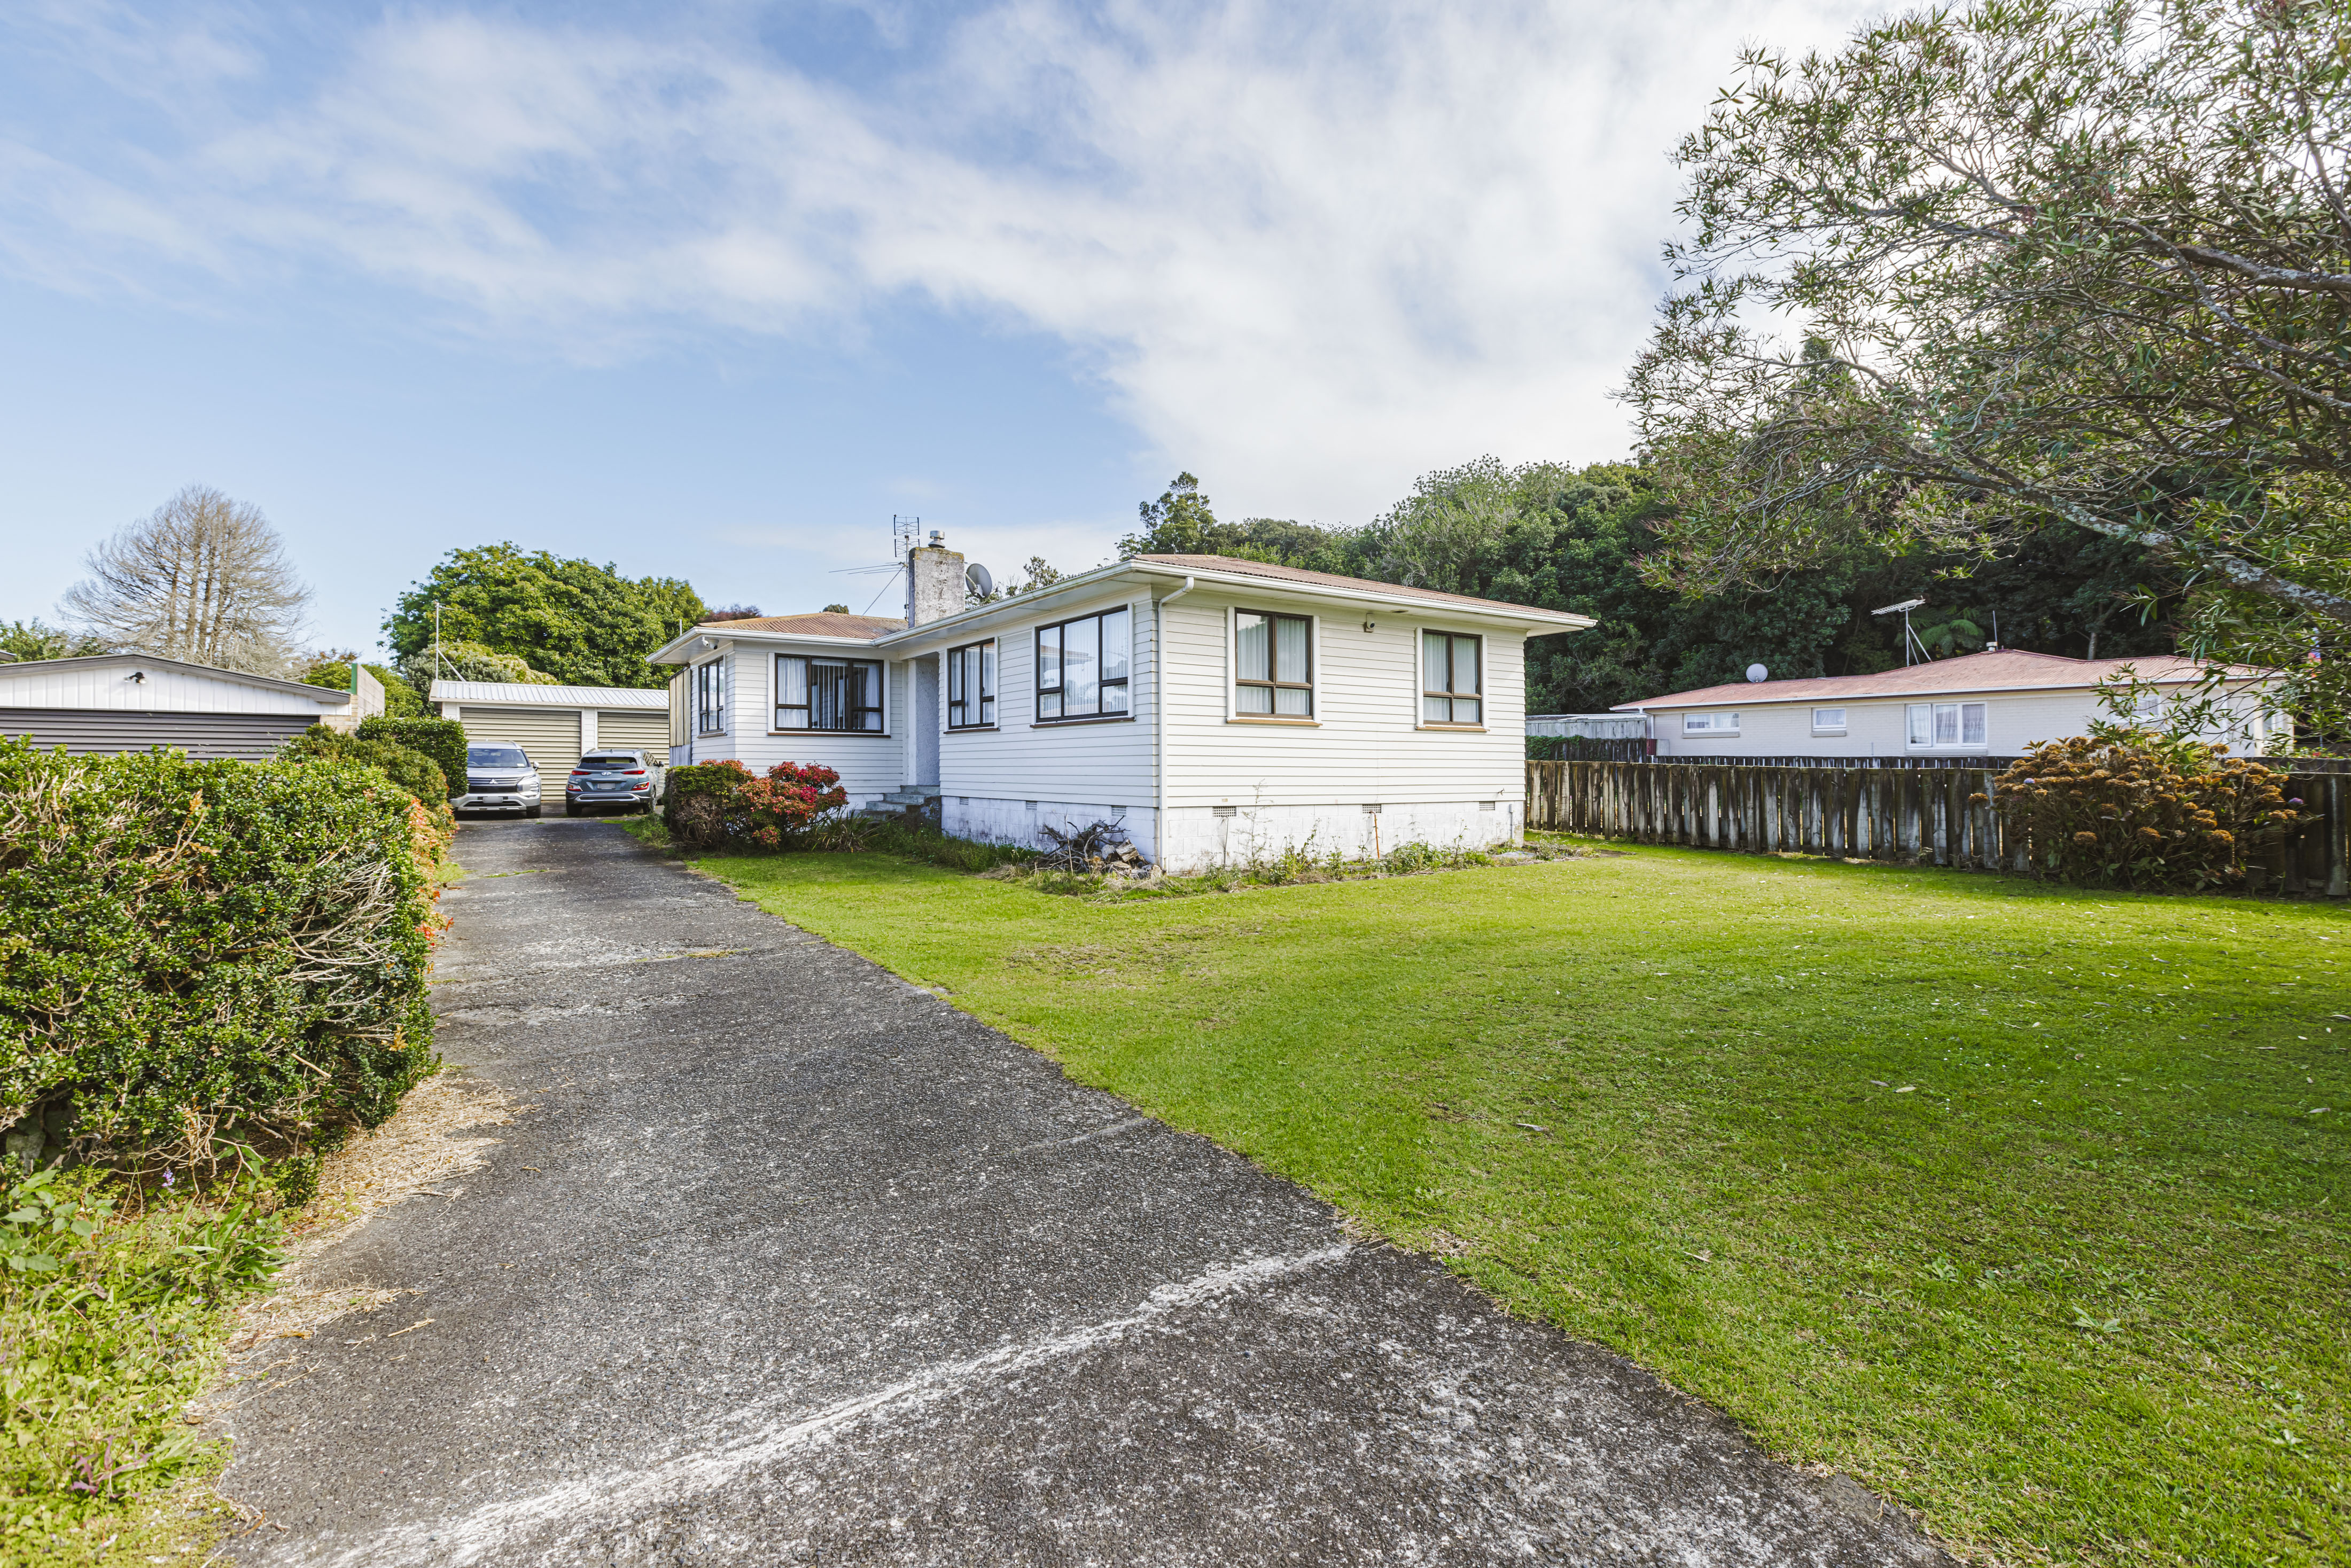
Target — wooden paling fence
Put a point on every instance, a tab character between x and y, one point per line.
1903	815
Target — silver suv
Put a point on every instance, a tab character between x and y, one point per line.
612	779
498	778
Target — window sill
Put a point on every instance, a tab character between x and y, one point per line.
1068	723
1268	719
972	729
1828	735
838	734
1454	728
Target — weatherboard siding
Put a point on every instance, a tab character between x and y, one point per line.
2013	723
163	691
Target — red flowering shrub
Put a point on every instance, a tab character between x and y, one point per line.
711	805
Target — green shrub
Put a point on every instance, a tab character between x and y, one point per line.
412	769
2141	809
205	959
712	805
441	739
400	700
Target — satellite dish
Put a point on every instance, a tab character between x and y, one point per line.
976	578
1758	674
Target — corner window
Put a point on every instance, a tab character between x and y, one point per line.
971	686
1947	723
1082	668
1828	721
710	698
1710	723
813	693
1273	665
1451	678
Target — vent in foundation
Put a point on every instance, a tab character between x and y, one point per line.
1485	805
1224	810
1371	811
1031	805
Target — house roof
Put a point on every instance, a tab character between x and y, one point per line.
1998	670
821	623
515	694
1233	566
329	696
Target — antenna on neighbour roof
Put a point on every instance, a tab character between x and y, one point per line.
904	532
1909	638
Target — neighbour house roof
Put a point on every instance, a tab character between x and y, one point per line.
329	696
517	694
1997	670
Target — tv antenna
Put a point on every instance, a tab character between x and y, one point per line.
904	532
1909	638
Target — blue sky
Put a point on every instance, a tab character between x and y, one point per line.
714	289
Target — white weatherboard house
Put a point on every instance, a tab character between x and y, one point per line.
1998	702
130	702
1218	708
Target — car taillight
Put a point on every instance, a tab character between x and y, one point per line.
634	773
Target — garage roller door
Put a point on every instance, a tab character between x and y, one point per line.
549	737
636	729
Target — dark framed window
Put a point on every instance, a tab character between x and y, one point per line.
710	698
971	685
1274	664
1082	668
1452	678
816	693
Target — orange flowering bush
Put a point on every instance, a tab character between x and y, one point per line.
2141	809
711	805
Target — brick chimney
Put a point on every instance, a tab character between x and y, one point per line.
934	583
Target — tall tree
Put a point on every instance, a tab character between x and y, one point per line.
32	640
2046	265
203	578
576	622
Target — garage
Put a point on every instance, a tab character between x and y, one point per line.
636	729
134	702
549	737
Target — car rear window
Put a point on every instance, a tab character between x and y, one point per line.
495	757
607	764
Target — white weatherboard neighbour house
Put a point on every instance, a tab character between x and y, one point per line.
130	702
1998	702
1218	708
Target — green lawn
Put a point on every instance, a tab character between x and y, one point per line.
2014	1202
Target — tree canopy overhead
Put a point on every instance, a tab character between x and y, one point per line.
571	622
1985	273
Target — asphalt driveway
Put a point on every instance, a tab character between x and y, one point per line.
792	1262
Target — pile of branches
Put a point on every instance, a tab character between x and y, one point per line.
1095	848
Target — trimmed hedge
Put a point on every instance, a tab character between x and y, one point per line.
199	959
404	766
441	739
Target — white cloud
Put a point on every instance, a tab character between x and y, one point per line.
1309	257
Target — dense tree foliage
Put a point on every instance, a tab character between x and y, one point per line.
1567	538
2039	265
571	621
35	640
333	670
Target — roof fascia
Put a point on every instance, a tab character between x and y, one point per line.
1012	607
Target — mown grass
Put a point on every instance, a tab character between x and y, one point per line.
2016	1202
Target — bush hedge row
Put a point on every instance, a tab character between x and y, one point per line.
441	739
203	960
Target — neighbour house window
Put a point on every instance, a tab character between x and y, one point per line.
1710	723
1828	721
1082	668
710	698
971	686
815	693
1451	678
1273	665
1947	723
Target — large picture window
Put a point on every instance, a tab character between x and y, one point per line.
1451	678
1082	668
1947	723
1273	665
971	686
1710	723
814	693
710	698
